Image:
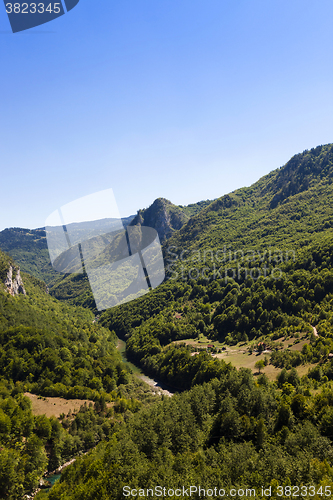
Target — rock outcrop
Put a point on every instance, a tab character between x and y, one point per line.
163	216
13	282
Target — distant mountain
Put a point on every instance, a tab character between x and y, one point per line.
289	209
28	247
48	348
195	208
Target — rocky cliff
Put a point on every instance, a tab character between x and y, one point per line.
13	281
163	216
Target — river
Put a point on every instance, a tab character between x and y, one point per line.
52	479
158	387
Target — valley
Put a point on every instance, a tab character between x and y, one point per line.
246	356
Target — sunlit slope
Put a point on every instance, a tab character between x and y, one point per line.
273	279
51	347
286	208
286	212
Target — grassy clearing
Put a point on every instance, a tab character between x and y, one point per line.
293	344
54	406
239	356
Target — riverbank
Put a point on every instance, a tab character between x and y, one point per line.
158	387
61	468
45	483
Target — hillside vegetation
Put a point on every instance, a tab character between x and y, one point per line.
53	349
233	432
256	264
28	247
254	267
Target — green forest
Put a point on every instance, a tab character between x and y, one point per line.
52	349
233	432
250	273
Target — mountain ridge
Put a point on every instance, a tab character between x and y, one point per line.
235	426
290	206
266	202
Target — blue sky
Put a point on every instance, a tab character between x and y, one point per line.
185	99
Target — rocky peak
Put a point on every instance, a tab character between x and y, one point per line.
163	216
13	282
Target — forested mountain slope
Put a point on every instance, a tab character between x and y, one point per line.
233	434
284	213
53	349
247	267
286	207
29	249
232	429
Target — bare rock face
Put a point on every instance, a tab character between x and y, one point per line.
163	216
14	281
